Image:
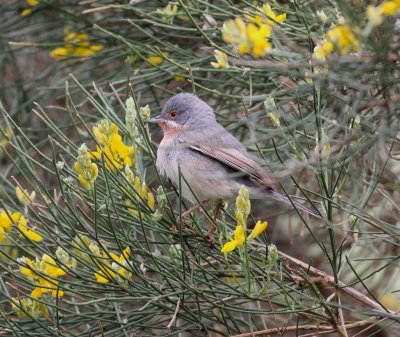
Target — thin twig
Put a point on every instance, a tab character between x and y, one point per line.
175	313
325	328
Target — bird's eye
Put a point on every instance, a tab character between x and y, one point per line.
173	114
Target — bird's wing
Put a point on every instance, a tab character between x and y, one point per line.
236	160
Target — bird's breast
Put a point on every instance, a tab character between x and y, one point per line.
168	156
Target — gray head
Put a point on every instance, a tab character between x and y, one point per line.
184	111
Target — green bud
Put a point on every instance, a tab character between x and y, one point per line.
129	175
130	116
145	112
272	257
162	200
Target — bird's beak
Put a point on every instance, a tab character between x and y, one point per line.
154	120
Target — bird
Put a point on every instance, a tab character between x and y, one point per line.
214	165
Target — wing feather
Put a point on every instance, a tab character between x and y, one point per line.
236	160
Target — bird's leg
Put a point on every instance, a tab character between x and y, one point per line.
213	227
190	211
218	209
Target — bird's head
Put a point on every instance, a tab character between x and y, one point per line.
184	111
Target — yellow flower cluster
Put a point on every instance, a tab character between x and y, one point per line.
76	45
114	270
86	170
386	8
116	153
7	219
252	37
341	38
242	212
140	189
247	37
111	267
265	14
44	273
31	3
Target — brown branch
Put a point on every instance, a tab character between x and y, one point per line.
325	328
330	279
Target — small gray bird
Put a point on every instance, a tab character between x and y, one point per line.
211	160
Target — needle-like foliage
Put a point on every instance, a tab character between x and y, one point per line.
89	238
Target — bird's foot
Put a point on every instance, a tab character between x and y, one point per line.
190	211
210	233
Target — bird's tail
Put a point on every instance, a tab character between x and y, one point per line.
277	196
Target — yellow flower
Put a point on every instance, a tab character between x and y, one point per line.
247	37
136	184
374	15
343	38
150	200
179	78
44	272
24	197
258	38
76	45
238	240
103	277
387	8
242	211
8	218
154	60
258	229
50	267
143	191
116	153
112	271
59	53
266	9
234	31
240	218
29	233
323	50
390	7
140	188
222	60
7	221
123	256
104	132
28	11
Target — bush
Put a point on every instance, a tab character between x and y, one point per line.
90	242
